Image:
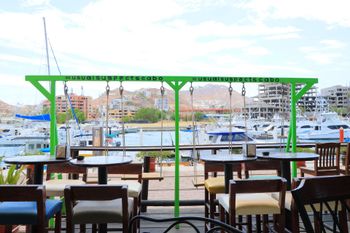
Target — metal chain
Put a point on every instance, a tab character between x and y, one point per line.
230	90
162	92
194	151
121	92
67	114
107	117
245	112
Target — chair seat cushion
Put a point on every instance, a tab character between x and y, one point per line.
252	203
134	187
26	212
99	211
55	188
215	184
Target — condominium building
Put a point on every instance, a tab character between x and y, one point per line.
337	96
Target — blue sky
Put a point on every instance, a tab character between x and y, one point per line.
172	37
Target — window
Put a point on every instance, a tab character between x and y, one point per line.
337	126
306	127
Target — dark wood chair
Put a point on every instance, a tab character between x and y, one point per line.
97	204
214	185
27	205
322	196
252	197
346	170
55	185
328	163
262	165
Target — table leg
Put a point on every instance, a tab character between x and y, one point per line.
228	176
145	183
285	165
38	173
102	179
102	175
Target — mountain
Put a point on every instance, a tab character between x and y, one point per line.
204	97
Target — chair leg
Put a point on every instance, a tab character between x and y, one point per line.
58	218
281	223
249	224
8	229
94	228
265	223
343	220
82	228
258	223
212	207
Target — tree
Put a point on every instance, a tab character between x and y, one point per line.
45	110
61	117
148	114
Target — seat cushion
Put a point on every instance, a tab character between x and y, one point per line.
134	187
99	211
26	212
55	188
252	203
215	184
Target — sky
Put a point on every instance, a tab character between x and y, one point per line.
275	38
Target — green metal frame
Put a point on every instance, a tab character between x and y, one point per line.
176	83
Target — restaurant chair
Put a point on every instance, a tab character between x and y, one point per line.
346	169
252	197
97	204
27	205
262	165
328	162
134	186
214	185
55	186
323	196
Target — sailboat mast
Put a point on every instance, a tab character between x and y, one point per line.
47	49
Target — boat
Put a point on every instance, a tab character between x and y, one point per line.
326	127
222	136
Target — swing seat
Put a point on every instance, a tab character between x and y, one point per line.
198	183
145	176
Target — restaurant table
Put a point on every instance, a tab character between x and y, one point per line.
101	162
286	158
227	160
37	160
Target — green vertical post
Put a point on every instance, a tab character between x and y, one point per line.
53	125
293	127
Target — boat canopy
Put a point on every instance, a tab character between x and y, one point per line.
43	117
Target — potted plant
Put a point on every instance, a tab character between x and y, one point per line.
12	176
154	156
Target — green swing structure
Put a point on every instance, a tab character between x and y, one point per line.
176	83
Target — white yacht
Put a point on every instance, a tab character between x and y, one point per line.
326	127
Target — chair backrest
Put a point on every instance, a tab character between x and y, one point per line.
65	168
260	164
24	193
323	193
219	167
130	169
329	156
347	160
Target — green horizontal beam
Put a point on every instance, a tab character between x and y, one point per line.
140	78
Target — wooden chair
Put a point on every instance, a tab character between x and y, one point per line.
215	185
97	204
328	163
323	195
262	165
252	197
27	205
346	170
55	187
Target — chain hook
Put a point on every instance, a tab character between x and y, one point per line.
107	88
121	88
191	89
243	90
65	88
162	89
230	89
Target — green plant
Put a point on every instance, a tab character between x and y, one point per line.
13	175
155	154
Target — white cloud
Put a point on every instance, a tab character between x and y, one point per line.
31	3
333	44
257	51
323	58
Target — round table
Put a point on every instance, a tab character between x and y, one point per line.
101	162
227	160
286	158
37	160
